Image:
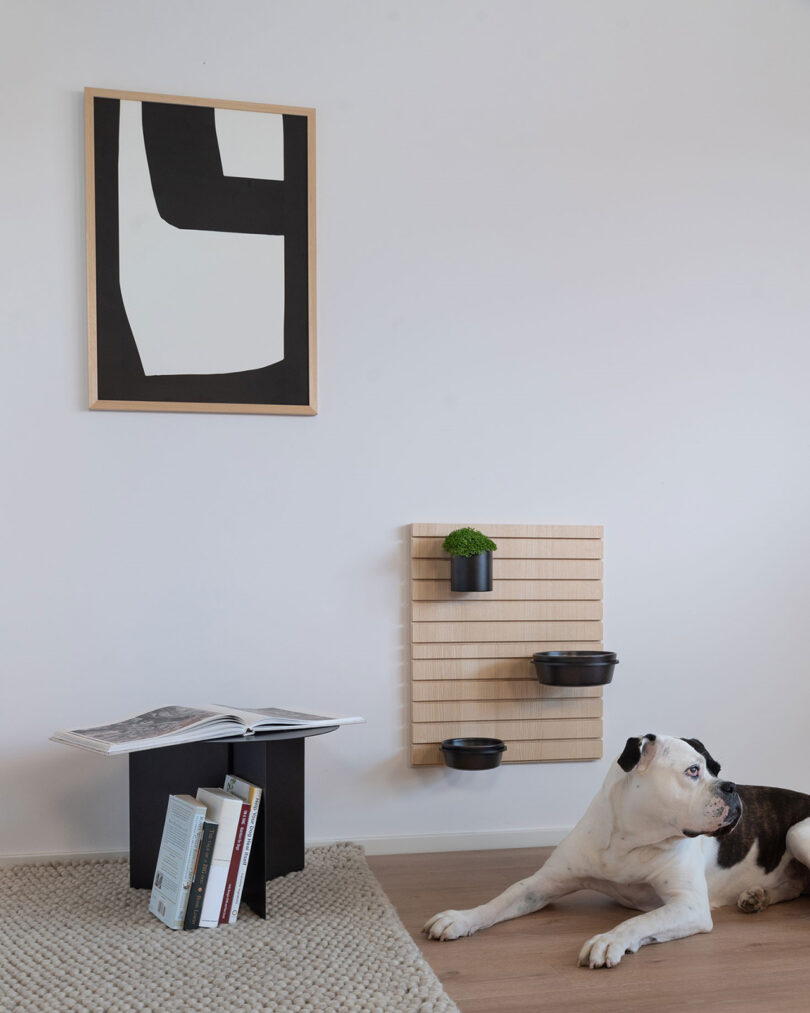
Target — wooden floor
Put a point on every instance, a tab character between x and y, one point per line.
757	962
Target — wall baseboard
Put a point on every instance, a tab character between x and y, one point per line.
472	840
409	844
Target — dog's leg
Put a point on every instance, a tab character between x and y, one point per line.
683	914
521	898
758	898
798	842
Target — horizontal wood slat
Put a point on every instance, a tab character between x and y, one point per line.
473	633
506	650
513	530
447	670
504	611
506	710
527	751
471	653
521	548
511	590
510	731
497	689
515	569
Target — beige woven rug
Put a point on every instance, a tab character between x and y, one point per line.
74	936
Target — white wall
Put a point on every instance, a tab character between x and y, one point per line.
564	253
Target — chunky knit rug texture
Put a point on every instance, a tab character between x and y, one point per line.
74	936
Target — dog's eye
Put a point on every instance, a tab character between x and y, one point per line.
693	771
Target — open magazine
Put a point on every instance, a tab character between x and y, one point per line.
170	726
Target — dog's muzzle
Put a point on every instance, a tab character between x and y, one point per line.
727	791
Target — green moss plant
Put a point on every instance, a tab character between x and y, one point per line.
467	542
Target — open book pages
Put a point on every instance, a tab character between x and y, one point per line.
172	725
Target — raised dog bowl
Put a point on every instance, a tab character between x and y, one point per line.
473	754
575	668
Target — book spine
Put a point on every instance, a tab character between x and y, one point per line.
226	809
255	799
182	830
200	880
233	870
188	872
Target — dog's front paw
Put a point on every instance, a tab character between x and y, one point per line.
604	950
753	900
449	925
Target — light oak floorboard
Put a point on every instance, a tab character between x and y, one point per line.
748	963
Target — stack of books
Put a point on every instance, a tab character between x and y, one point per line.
204	854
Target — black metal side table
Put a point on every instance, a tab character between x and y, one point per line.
274	761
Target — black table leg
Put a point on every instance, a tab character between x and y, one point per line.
277	767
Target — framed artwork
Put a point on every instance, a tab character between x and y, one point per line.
200	254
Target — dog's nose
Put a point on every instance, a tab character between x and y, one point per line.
727	787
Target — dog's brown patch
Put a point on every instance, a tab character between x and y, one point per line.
768	814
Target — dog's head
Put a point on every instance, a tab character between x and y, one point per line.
675	782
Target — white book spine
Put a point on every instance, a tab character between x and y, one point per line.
252	794
226	810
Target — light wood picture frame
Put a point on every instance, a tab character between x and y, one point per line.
201	260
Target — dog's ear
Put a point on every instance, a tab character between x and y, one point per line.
633	750
711	764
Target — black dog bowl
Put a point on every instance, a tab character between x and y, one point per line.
575	668
473	754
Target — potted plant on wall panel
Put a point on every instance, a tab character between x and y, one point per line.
471	565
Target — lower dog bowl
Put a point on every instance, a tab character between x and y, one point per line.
575	668
473	754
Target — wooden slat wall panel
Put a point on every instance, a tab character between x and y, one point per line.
510	731
490	653
498	689
504	611
471	667
512	590
506	710
473	633
513	530
521	548
527	751
515	569
448	670
422	650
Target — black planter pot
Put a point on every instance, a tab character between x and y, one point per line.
575	668
471	573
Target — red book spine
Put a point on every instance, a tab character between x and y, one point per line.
233	868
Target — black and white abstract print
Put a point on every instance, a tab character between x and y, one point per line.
201	254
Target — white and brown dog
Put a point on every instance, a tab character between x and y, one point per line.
666	836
